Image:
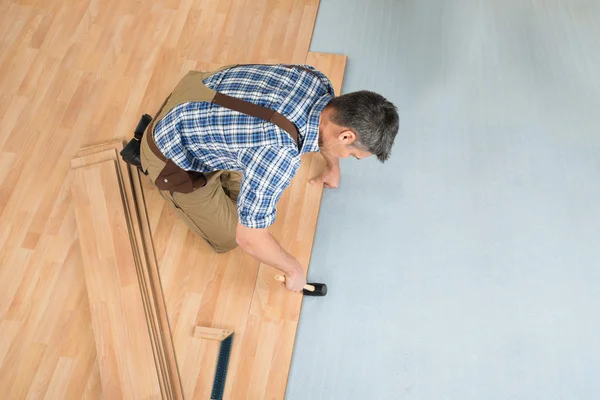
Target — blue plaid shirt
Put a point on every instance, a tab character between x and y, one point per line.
205	137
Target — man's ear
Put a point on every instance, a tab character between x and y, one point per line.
347	136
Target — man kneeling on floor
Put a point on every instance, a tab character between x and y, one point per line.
226	144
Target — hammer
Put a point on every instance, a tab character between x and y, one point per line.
310	289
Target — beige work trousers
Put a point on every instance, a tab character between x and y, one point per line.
209	211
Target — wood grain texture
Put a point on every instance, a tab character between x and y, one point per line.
122	337
78	73
159	319
150	287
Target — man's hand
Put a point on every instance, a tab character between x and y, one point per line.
330	177
296	281
261	245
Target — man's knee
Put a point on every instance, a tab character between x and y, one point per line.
224	247
220	239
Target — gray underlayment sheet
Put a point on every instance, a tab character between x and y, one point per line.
468	266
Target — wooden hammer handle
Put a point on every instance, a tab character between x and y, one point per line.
281	278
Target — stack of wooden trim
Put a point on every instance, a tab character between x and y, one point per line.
130	323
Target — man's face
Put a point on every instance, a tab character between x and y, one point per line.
338	141
343	146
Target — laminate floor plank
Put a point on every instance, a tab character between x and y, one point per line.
123	343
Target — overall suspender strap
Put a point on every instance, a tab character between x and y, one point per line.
191	88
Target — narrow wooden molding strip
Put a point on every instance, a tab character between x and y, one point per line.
203	332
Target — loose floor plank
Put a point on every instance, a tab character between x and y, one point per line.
123	344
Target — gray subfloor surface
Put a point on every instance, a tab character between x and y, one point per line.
468	266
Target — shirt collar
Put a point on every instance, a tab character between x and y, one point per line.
311	136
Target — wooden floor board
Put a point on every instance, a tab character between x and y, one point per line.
74	74
118	314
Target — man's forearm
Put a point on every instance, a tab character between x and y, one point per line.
261	245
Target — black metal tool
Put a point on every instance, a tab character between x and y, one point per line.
221	372
310	289
225	338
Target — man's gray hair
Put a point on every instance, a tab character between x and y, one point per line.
373	118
